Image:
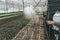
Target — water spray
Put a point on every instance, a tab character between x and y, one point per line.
30	13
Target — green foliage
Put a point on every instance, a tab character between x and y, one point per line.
10	14
9	30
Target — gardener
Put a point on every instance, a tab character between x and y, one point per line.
56	24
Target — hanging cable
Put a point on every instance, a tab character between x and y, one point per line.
6	5
23	4
35	1
37	4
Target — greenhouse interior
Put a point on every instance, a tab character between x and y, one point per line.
29	19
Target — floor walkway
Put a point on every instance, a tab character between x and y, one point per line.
32	32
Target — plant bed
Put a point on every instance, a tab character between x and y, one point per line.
10	29
8	18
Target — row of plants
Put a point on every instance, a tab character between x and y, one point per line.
10	30
9	15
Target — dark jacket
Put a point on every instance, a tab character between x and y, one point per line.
53	5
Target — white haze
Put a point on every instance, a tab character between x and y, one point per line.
29	12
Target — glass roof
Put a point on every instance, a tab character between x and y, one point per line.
16	5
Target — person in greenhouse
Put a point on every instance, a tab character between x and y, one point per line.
56	24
